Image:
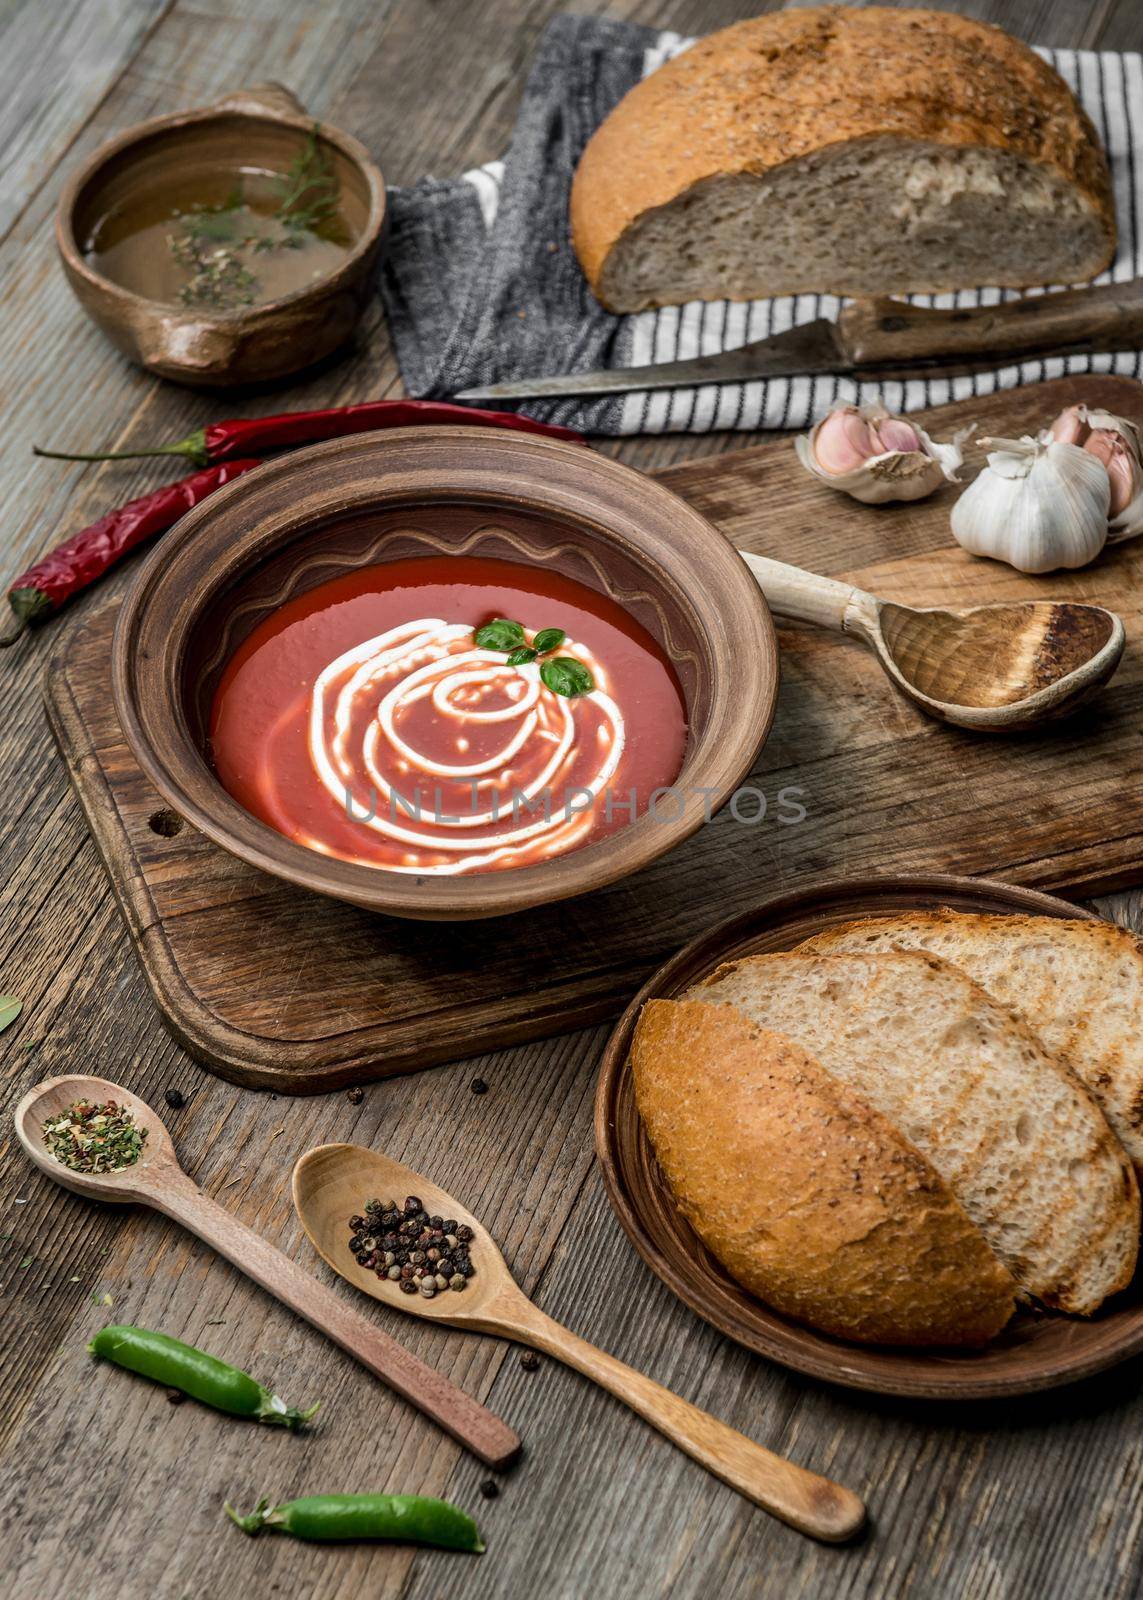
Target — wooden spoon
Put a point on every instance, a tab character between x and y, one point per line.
334	1182
157	1180
996	669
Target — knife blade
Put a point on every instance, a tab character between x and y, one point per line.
806	347
881	339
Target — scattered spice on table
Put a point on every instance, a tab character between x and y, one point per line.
529	1360
246	436
478	1086
89	1137
421	1254
174	1099
355	1096
74	565
490	1489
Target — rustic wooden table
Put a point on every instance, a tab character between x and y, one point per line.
110	1491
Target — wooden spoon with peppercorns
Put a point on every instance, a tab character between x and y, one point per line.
333	1187
155	1178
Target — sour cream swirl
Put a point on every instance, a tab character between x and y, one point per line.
387	718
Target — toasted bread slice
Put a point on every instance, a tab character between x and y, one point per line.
1077	984
810	1199
1012	1131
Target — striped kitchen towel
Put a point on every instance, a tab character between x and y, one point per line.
481	283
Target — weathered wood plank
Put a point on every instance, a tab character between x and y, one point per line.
57	63
126	1490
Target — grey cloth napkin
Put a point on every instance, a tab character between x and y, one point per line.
481	283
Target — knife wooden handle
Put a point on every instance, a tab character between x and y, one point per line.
882	332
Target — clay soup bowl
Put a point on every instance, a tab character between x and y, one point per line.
322	512
259	127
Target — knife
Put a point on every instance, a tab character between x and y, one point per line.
881	339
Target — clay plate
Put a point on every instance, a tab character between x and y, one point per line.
1036	1351
255	344
317	513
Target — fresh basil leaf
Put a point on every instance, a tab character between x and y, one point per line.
548	639
10	1009
519	657
564	675
500	634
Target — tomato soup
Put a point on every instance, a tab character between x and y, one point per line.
447	715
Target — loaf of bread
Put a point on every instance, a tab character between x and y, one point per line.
847	150
1013	1132
810	1198
1077	984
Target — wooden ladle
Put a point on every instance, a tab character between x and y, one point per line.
334	1181
157	1180
996	669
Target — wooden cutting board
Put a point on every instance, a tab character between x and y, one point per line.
278	989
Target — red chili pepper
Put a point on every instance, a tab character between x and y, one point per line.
88	554
222	441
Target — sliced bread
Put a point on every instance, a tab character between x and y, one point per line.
847	150
1077	984
1012	1131
810	1198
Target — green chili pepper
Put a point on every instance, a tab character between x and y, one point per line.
412	1518
203	1377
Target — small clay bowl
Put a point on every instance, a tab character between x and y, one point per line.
311	516
259	127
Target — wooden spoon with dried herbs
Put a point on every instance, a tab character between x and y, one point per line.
156	1179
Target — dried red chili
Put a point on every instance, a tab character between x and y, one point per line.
88	554
222	441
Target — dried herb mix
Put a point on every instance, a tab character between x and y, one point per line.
95	1138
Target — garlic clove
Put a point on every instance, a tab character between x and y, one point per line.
843	442
1070	427
1116	442
875	457
1039	504
896	434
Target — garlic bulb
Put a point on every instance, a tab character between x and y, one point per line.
874	456
1114	441
1039	504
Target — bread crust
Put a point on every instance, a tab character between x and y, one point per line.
809	1197
1109	1240
793	83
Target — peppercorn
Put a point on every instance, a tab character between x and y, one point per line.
529	1360
412	1205
457	1281
409	1288
489	1489
464	1232
478	1086
355	1096
175	1099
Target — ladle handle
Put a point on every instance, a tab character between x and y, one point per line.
813	1505
808	597
475	1427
